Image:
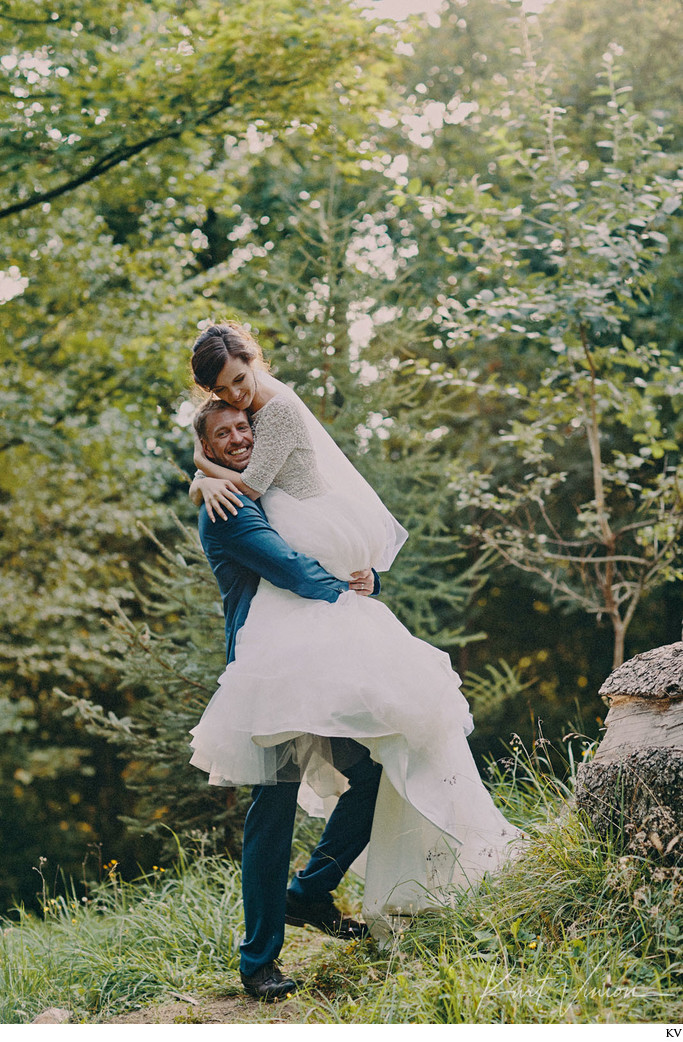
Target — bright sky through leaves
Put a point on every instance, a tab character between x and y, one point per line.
400	9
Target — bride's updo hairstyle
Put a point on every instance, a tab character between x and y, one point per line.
213	348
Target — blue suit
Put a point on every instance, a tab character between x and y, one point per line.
241	550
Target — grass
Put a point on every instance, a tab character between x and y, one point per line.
125	945
572	933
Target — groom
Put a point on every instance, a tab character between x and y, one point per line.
242	548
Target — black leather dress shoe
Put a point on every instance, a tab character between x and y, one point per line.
268	984
323	916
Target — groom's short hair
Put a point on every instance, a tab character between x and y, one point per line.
208	408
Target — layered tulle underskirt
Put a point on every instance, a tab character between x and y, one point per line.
308	670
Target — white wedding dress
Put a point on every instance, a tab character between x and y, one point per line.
306	670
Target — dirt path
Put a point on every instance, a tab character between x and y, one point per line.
235	1007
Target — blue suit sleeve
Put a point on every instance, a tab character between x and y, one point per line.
247	539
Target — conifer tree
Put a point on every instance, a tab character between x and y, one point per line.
168	656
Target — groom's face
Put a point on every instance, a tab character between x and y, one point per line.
229	438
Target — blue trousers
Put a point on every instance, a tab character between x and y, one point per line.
267	848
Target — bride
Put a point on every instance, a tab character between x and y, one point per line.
306	670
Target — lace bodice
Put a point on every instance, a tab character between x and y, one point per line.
283	453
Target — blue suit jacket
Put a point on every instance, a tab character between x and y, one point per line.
244	548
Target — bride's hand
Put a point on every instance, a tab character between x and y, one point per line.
218	493
362	583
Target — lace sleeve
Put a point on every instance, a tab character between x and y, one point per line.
280	433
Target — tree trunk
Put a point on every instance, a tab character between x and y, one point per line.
633	788
619	642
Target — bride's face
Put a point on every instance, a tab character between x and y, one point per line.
236	383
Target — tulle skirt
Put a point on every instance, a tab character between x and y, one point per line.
307	670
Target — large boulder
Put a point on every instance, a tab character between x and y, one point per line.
633	787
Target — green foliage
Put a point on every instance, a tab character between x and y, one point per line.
494	696
168	661
647	38
64	557
566	267
82	97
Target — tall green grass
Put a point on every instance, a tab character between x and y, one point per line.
572	932
125	945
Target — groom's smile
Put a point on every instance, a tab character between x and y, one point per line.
240	455
229	439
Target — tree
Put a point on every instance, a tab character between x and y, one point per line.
167	660
648	35
82	91
575	257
